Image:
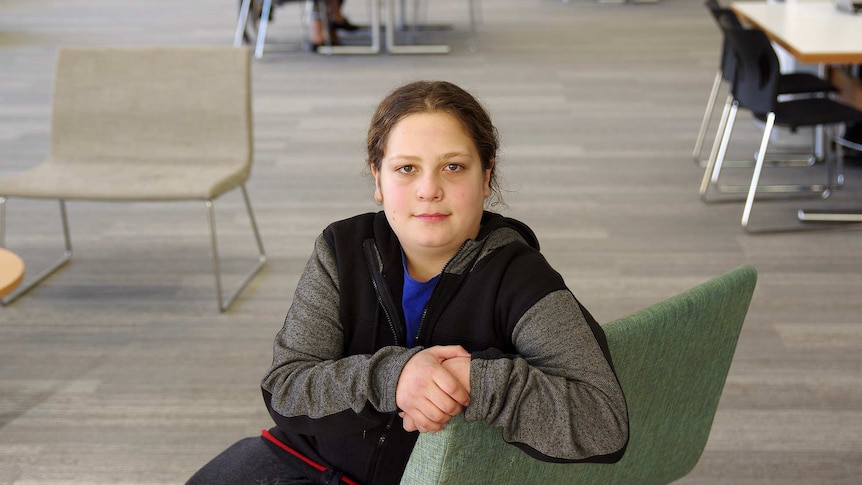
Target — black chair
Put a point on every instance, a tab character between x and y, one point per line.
789	83
755	88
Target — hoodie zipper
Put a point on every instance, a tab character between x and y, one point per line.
376	272
435	291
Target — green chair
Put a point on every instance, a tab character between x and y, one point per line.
672	360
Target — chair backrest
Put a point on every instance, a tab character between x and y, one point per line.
163	104
672	360
755	84
725	16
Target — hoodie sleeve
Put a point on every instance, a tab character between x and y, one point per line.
559	399
312	387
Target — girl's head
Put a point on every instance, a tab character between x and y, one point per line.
435	97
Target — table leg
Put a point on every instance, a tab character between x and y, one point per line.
394	48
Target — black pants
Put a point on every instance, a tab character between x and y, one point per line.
256	461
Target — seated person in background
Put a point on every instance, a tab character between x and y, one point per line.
431	308
337	21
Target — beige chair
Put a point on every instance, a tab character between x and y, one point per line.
145	124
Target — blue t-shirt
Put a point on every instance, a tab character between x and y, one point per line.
416	295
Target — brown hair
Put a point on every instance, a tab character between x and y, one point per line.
430	97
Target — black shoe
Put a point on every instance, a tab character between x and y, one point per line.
314	47
344	25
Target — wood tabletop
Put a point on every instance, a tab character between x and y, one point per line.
813	32
11	271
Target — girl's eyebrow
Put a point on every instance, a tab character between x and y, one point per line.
412	158
409	158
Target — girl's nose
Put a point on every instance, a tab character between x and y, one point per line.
430	188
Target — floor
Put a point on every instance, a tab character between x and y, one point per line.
120	369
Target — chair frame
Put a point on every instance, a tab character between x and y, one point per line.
224	301
232	161
724	74
833	162
266	9
394	8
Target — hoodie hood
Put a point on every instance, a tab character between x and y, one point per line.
496	231
492	222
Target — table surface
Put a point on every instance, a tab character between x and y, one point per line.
11	271
813	32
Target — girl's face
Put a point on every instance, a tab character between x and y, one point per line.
432	185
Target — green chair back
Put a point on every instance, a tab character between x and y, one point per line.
672	360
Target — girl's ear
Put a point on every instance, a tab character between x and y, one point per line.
486	185
378	195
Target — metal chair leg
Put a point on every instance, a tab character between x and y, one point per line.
758	167
725	141
719	147
261	33
222	305
240	23
67	253
789	158
717	161
707	115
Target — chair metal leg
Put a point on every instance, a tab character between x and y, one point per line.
67	253
716	162
758	167
719	147
707	115
834	215
261	32
725	141
240	23
222	305
394	48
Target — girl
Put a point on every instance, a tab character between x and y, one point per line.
426	310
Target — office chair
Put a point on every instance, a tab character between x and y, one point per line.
788	83
156	124
755	88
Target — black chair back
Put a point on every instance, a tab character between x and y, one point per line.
725	16
755	84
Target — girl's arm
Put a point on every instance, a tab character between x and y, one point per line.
559	399
312	387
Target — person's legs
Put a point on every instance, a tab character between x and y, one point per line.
253	461
316	33
337	18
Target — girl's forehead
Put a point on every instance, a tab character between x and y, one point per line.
438	116
439	121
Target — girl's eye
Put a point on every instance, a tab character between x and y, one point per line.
454	167
406	169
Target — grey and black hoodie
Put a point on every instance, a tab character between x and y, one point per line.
540	368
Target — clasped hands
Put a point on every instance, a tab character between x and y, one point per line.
434	386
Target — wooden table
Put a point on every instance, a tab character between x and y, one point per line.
11	271
814	32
